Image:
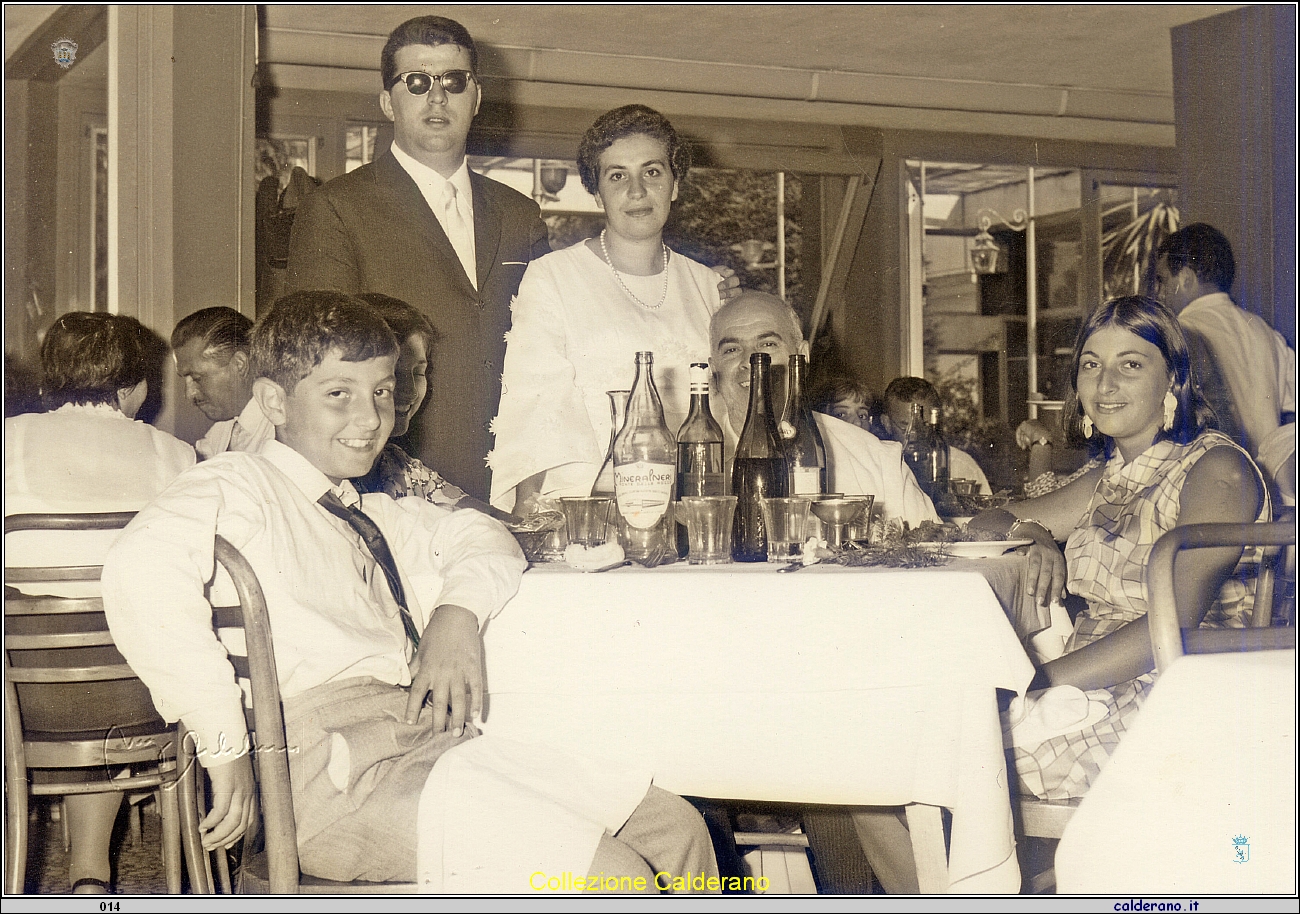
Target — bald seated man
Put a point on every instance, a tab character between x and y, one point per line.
858	463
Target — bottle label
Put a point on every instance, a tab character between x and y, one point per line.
643	491
805	481
786	429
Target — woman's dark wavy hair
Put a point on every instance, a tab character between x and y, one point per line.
1149	319
304	328
630	120
88	357
403	319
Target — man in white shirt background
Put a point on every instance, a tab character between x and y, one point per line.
1244	367
211	348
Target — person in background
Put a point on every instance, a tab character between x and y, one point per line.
86	454
847	399
858	463
396	473
1244	367
418	225
584	312
1041	439
211	349
896	414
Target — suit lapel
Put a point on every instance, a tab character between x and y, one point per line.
487	228
410	202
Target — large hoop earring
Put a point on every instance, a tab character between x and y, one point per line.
1171	410
1087	426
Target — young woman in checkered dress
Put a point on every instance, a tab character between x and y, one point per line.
1135	405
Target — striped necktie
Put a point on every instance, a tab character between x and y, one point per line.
370	534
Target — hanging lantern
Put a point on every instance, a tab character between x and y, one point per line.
984	255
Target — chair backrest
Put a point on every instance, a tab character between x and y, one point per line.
59	640
266	717
1167	638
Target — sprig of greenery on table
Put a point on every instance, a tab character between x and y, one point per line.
895	545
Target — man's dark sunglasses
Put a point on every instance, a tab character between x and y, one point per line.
453	82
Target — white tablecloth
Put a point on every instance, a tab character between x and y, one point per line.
824	686
1211	757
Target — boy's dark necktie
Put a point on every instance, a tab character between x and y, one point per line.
370	534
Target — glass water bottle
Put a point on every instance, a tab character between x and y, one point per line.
645	473
699	449
805	453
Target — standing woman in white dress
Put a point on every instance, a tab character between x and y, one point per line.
583	313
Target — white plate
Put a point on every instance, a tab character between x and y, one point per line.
982	549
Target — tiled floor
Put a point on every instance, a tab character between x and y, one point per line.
137	865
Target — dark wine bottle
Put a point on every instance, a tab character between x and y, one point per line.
805	454
939	457
759	470
699	449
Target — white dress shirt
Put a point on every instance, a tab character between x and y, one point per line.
1251	360
859	463
81	459
330	607
433	188
246	432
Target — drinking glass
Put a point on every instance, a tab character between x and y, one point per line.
708	521
786	520
587	518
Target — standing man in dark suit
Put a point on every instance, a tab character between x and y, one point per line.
418	225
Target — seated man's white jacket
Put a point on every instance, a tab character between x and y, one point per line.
859	463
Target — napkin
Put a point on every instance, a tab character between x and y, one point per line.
1049	644
495	812
593	558
1038	717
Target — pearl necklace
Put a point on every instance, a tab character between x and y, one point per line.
662	298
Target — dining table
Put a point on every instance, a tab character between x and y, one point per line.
832	685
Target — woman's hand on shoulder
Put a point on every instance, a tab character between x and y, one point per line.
729	284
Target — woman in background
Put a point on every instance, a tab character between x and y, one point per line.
583	313
86	454
396	473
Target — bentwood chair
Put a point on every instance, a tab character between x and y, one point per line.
1169	641
60	661
269	862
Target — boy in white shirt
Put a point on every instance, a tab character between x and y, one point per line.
376	612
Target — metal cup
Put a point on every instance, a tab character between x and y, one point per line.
708	521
